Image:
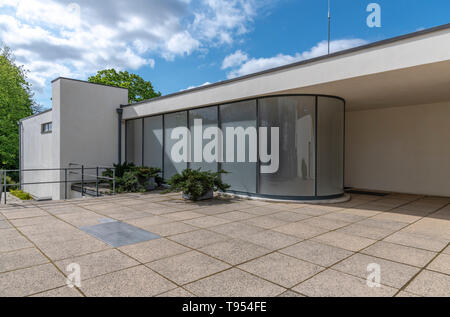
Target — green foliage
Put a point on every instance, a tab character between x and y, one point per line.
132	179
15	103
138	88
20	194
196	183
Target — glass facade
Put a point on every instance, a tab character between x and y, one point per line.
242	176
134	141
309	130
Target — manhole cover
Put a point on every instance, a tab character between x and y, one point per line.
118	234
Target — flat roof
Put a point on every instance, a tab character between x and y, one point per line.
36	114
87	82
303	62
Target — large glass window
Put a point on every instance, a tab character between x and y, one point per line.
171	122
208	117
134	141
153	142
295	118
242	175
330	145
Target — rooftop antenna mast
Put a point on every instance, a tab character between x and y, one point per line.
329	25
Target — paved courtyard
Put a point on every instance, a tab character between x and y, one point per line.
229	247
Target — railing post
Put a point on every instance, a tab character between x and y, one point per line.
96	182
65	183
1	182
114	181
82	180
4	183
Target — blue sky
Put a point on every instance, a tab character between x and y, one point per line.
178	44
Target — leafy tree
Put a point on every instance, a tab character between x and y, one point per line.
138	88
16	102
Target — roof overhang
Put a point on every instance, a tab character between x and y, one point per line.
408	70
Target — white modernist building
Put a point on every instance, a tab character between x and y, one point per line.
374	117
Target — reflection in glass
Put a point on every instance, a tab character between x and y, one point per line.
295	117
134	141
172	121
242	176
209	119
330	144
153	142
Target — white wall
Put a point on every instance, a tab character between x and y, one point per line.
37	154
88	123
401	149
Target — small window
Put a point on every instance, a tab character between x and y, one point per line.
46	127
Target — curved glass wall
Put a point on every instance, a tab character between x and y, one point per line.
303	158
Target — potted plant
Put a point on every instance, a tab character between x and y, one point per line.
130	178
197	185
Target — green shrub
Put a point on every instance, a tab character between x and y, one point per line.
20	194
195	183
131	179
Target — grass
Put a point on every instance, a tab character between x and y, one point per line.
21	194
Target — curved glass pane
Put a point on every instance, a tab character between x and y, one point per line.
171	122
295	118
209	118
330	146
241	175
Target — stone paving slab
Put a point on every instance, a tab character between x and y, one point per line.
228	247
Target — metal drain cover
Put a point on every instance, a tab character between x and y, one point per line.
118	234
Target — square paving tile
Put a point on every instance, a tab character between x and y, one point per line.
370	232
332	283
206	222
4	224
266	222
169	229
153	250
64	291
301	230
11	239
430	284
344	241
21	259
441	264
30	281
236	229
99	263
199	238
138	281
326	223
235	251
392	274
236	215
187	267
400	253
418	241
118	234
318	253
281	269
178	292
272	240
234	283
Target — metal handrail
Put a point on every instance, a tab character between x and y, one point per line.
67	171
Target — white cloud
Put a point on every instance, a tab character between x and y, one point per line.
254	65
75	38
234	60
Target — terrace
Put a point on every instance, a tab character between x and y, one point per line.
226	247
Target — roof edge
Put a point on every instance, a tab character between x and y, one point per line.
86	82
36	115
303	62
